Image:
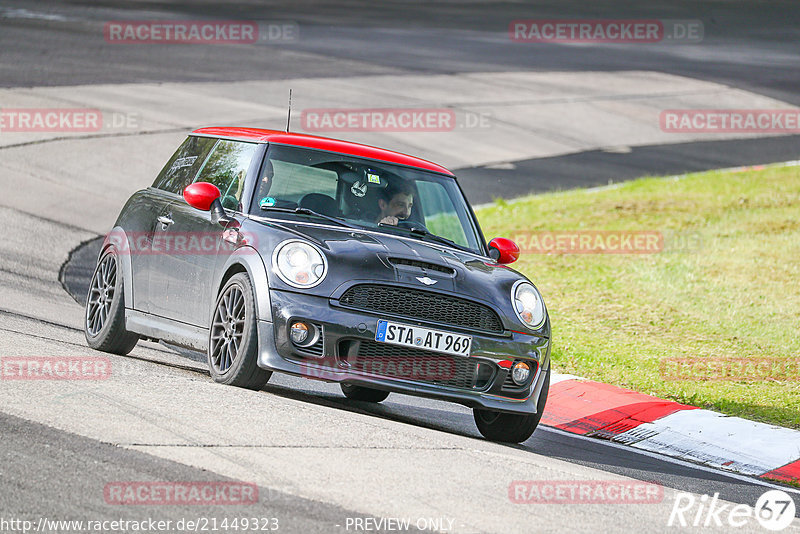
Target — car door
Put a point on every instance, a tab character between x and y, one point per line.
179	172
191	245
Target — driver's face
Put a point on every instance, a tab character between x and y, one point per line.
400	206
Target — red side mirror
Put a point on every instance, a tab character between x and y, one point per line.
201	195
503	251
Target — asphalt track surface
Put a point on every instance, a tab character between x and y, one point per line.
56	462
746	44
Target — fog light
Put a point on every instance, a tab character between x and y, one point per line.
520	373
299	333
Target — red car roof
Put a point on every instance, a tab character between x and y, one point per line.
321	143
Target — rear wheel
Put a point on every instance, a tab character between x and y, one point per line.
233	337
104	321
509	427
361	393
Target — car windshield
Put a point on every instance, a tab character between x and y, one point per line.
370	194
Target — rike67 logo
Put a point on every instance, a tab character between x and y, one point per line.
774	511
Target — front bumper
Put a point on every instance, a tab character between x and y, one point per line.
345	331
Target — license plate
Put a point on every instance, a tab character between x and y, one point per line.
423	338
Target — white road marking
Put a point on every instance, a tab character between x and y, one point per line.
721	441
675	461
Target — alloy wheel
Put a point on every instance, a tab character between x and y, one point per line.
101	295
227	329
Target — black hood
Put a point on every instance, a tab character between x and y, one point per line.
356	256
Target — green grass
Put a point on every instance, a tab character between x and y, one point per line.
726	285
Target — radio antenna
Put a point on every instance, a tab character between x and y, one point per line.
289	118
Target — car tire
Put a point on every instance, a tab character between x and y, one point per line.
509	427
233	337
104	319
360	393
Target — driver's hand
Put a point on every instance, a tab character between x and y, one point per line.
394	221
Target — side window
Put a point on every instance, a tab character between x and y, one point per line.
226	168
182	167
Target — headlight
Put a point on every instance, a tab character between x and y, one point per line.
528	304
299	264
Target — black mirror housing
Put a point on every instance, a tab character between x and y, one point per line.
218	215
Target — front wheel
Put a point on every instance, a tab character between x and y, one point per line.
233	337
104	321
510	427
360	393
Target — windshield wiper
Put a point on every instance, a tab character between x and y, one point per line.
306	211
425	234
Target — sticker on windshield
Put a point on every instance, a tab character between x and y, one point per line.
266	202
182	162
373	178
359	190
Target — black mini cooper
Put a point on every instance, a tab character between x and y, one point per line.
330	260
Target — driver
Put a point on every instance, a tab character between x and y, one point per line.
395	203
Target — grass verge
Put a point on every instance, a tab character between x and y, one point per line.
691	321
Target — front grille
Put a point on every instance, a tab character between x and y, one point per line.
380	359
422	305
509	382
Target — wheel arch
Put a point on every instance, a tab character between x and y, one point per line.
118	239
248	260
